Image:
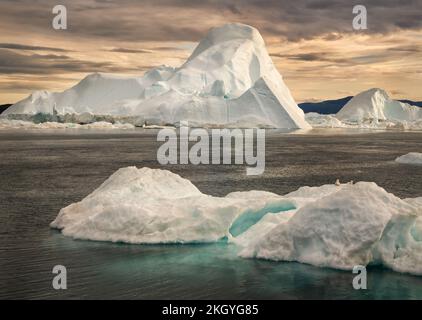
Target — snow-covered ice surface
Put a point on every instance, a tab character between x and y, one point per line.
410	158
332	226
229	79
157	206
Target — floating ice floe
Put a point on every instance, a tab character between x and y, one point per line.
229	79
336	226
411	158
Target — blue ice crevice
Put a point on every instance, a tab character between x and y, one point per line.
250	217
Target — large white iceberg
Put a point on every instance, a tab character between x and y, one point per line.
157	206
229	79
337	226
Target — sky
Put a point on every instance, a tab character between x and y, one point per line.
312	43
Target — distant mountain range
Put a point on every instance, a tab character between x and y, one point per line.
334	106
413	103
4	107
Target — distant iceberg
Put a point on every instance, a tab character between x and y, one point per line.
336	226
371	109
411	158
229	79
375	104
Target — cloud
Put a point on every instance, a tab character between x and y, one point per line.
16	46
406	48
126	50
38	64
164	48
149	20
312	42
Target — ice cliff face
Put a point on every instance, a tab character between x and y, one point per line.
229	79
334	226
375	104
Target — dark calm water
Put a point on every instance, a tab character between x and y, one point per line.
42	172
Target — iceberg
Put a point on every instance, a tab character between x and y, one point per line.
338	225
157	206
229	79
358	224
375	104
410	158
371	109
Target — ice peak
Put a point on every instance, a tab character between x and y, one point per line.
374	92
376	104
99	75
228	32
231	31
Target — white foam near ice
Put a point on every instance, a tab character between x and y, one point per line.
333	226
229	79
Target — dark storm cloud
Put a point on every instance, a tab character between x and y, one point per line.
172	20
